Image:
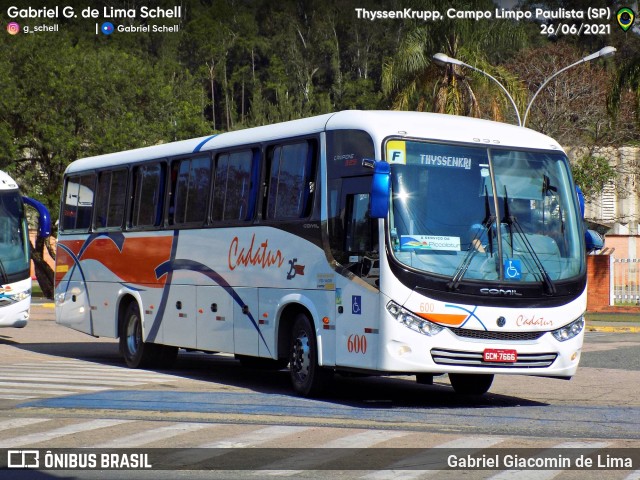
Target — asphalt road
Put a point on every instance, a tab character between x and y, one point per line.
63	389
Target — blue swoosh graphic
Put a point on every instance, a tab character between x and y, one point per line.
183	264
472	313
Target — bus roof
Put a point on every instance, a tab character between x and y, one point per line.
6	182
379	124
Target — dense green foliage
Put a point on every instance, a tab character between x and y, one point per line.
240	63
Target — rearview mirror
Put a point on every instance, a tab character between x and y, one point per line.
380	188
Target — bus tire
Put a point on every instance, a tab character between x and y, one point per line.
307	376
471	384
136	352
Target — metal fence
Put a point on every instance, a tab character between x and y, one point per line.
626	281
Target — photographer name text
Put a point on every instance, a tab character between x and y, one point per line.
90	12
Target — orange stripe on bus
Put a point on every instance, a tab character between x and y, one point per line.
453	319
136	263
138	260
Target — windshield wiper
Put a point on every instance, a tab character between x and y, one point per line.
3	273
512	221
487	224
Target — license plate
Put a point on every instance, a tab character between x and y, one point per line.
500	356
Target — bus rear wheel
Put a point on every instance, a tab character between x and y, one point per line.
471	384
136	352
307	376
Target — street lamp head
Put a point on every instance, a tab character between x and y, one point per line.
602	53
443	59
607	52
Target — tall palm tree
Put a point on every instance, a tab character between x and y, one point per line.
413	81
627	78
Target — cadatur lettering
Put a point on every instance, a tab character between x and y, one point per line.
255	256
523	321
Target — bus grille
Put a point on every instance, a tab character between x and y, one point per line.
474	359
485	335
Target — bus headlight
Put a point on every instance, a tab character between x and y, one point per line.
18	297
413	322
569	331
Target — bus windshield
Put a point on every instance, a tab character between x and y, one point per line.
483	213
14	244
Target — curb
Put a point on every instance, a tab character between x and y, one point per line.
44	305
612	329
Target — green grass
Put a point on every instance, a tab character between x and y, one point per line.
36	291
613	317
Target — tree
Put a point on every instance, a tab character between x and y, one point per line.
592	174
572	107
627	80
63	100
413	81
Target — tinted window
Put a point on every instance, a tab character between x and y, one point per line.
290	181
345	151
191	190
148	183
78	202
232	194
110	201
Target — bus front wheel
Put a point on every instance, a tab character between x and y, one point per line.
471	384
307	376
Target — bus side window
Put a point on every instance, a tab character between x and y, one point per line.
110	201
290	182
234	185
361	231
148	187
190	190
351	232
78	202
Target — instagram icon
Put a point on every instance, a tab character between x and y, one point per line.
13	28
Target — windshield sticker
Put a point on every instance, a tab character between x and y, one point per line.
445	161
512	269
435	155
397	152
429	242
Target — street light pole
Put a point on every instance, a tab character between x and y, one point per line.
442	59
603	52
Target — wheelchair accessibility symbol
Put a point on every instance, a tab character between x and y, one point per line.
356	304
512	269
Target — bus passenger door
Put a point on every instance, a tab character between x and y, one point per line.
214	320
357	317
246	336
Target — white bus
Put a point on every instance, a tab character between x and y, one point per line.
371	242
15	255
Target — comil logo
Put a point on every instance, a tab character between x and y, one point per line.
23	459
13	28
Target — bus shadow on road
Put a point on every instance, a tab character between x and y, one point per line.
351	390
223	372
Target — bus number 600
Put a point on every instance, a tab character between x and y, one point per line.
357	343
